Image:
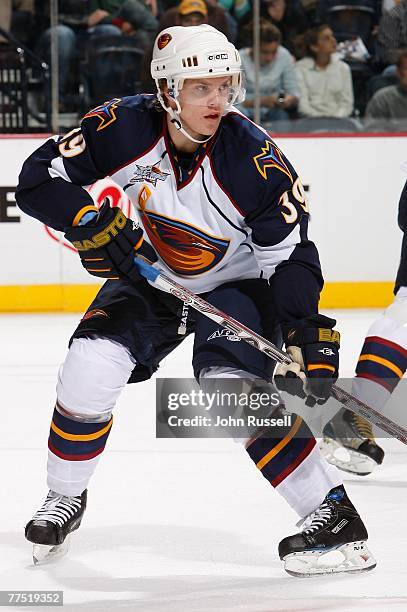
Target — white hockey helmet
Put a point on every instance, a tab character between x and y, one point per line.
181	53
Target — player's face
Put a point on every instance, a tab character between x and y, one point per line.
203	102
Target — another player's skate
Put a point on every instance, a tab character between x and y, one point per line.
349	444
50	527
333	539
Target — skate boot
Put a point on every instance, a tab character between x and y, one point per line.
333	539
50	527
349	444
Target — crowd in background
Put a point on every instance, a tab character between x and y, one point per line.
320	60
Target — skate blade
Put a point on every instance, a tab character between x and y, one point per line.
43	553
347	459
352	557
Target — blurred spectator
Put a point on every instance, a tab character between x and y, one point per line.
194	12
384	79
135	18
237	12
387	5
164	5
354	24
17	17
127	15
188	12
153	6
290	18
277	80
392	33
130	16
83	21
311	9
239	9
391	102
22	21
102	12
72	28
5	17
325	82
351	18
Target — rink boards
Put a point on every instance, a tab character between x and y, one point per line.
353	183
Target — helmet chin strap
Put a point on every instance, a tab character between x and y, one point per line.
176	121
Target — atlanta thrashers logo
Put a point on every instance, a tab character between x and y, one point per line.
163	40
186	249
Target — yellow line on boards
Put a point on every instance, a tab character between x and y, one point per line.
46	298
357	295
76	298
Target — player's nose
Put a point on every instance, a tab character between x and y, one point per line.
214	99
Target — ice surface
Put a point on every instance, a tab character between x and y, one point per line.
176	525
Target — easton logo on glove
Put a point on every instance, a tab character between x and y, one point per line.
108	243
104	237
328	335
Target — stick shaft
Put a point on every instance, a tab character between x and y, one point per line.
265	346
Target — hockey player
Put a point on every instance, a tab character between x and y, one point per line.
381	365
224	213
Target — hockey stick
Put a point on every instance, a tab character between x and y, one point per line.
262	344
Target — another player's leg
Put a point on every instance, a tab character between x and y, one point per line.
349	441
89	383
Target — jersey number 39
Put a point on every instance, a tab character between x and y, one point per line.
288	209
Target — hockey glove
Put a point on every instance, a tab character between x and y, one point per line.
108	244
313	345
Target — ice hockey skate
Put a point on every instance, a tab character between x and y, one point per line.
332	540
349	444
51	525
